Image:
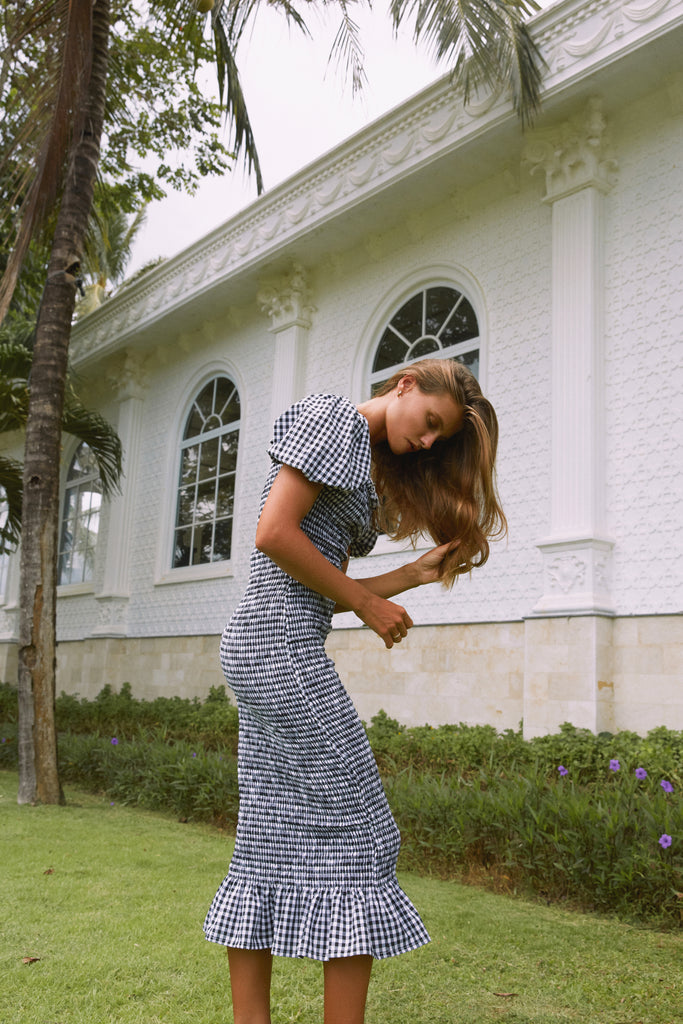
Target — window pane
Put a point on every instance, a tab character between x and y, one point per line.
185	508
64	569
462	325
195	423
204	400
82	464
230	411
226	494
205	509
471	360
392	350
440	302
188	466
208	459
222	540
203	541
88	500
228	444
408	320
182	550
425	347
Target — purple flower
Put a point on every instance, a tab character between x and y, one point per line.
666	786
614	765
114	741
641	773
562	770
665	841
193	754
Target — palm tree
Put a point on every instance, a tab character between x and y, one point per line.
107	251
89	427
52	133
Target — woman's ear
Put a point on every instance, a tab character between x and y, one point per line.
406	382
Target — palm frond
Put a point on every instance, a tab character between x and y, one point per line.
486	42
11	474
39	151
347	50
230	91
15	367
100	437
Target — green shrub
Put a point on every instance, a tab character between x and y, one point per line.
470	802
597	846
194	784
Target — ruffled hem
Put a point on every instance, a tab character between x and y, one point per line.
320	924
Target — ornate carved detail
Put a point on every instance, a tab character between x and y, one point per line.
286	299
575	156
577	575
128	379
566	572
112	615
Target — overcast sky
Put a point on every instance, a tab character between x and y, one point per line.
300	107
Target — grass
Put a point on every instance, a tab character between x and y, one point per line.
110	901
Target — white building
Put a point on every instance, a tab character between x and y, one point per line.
550	260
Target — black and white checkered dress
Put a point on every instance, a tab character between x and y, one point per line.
313	871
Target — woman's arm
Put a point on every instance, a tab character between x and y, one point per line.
424	569
279	535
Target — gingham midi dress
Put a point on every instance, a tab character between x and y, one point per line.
313	870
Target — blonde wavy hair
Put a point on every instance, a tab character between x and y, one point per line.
447	492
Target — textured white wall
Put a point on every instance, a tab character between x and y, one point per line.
644	359
500	234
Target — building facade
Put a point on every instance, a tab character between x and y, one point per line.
551	262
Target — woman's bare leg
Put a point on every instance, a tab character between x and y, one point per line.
250	972
346	989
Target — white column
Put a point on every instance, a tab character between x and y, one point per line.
568	653
286	301
576	551
113	598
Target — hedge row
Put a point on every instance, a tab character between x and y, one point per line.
597	820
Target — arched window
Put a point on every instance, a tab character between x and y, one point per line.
206	485
436	322
80	518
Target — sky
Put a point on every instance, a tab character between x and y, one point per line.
300	107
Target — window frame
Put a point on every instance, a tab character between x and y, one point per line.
81	586
166	573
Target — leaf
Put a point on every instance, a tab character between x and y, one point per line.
30	959
505	995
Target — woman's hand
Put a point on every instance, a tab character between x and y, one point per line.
427	566
389	621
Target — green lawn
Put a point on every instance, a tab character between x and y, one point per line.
111	901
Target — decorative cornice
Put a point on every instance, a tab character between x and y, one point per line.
576	39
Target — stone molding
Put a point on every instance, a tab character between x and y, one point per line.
575	38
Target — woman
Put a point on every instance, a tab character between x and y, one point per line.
313	871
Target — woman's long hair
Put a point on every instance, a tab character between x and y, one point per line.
448	491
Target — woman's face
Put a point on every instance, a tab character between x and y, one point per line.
415	420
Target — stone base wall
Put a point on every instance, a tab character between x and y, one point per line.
597	672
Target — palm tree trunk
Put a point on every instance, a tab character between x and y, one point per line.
38	775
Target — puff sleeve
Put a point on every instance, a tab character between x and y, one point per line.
326	438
